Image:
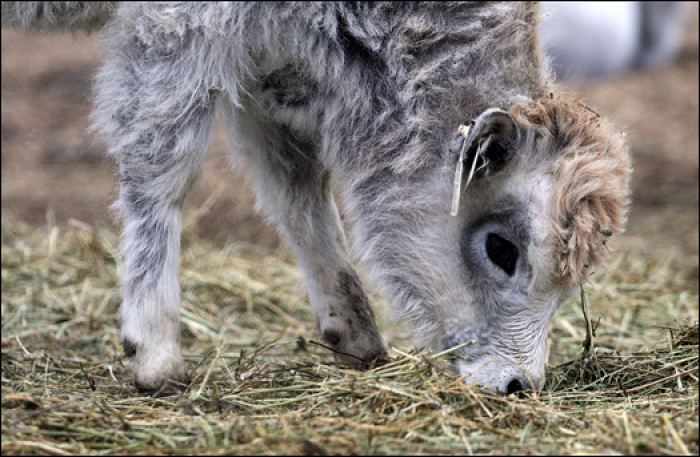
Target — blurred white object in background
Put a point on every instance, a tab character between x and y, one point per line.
596	39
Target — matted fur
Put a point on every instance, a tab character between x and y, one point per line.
364	98
592	170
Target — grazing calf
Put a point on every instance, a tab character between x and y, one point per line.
368	99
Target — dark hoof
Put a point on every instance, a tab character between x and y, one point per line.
167	389
365	363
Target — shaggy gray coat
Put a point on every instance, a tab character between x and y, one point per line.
364	98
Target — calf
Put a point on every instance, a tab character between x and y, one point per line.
478	196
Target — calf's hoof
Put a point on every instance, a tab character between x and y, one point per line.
158	372
363	351
168	388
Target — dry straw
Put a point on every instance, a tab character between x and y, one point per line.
261	385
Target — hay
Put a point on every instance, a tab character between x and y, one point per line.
262	386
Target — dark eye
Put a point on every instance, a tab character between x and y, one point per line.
502	252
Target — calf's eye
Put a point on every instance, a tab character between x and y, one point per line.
502	253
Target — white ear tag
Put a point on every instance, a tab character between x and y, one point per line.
463	131
476	158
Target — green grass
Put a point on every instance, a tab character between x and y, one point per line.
261	385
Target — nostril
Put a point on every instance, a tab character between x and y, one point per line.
514	386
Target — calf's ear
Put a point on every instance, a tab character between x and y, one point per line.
492	140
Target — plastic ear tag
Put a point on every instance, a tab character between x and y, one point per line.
463	131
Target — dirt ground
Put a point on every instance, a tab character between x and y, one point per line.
52	166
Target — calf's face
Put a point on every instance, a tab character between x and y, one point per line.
509	291
549	185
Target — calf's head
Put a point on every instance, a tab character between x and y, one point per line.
550	185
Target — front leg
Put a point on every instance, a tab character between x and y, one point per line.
344	317
293	189
150	310
158	129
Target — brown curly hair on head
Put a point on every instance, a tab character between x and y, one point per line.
591	166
